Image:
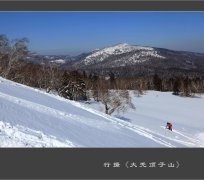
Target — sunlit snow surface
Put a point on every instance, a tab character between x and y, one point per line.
33	118
154	109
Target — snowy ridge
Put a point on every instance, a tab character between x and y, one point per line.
58	61
140	51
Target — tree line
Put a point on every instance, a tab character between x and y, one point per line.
110	89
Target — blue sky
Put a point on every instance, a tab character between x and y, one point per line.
75	32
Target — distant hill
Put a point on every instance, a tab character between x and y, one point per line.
125	55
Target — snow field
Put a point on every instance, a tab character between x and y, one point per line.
33	118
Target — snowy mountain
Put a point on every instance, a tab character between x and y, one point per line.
133	54
121	55
101	55
32	118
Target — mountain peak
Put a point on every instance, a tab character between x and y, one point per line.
139	53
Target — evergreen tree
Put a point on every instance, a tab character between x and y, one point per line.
73	87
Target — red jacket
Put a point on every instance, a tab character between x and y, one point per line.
169	125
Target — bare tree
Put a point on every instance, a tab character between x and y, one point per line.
18	50
116	100
4	45
4	49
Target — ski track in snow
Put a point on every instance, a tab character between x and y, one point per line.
38	107
157	137
137	129
63	115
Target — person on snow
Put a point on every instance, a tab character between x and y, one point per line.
169	126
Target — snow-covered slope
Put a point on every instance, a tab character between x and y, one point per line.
29	117
20	136
32	118
154	109
137	54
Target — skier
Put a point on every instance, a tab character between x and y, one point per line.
169	126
